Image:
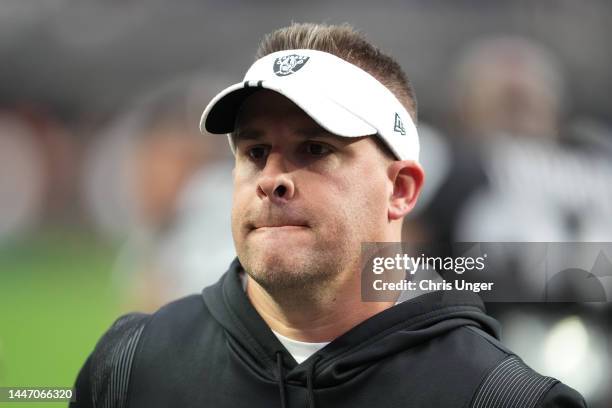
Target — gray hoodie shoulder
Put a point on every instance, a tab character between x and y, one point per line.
103	380
513	384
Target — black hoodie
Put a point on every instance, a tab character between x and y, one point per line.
214	350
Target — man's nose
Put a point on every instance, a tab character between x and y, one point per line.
275	183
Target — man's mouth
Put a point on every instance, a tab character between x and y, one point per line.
281	228
278	226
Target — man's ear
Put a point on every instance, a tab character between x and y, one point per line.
407	177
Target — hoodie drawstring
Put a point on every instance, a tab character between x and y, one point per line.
281	379
309	375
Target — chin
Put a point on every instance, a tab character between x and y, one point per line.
285	260
280	248
285	268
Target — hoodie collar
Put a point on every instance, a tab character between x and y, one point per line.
389	332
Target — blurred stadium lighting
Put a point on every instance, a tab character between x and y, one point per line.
573	354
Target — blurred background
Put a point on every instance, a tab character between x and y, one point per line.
111	201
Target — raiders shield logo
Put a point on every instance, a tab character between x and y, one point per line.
289	64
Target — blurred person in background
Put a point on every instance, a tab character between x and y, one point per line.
39	159
144	173
512	168
507	86
22	179
326	158
511	86
500	88
507	168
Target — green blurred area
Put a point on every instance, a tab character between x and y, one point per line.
56	299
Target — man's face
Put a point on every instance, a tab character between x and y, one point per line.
304	199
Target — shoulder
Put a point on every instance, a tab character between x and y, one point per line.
104	378
504	380
122	336
181	310
510	383
118	345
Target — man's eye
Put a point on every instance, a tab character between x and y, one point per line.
317	149
257	152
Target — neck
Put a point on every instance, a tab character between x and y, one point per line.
317	316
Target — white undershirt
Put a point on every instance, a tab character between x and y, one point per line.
300	350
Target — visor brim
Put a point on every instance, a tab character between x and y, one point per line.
219	117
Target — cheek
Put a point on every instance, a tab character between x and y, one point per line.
243	184
242	173
239	207
367	202
357	200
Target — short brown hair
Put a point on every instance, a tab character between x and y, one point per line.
344	42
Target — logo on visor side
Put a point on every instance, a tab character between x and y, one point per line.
399	125
289	64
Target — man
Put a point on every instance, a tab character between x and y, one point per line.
326	158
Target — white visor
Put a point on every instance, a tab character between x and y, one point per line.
341	97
